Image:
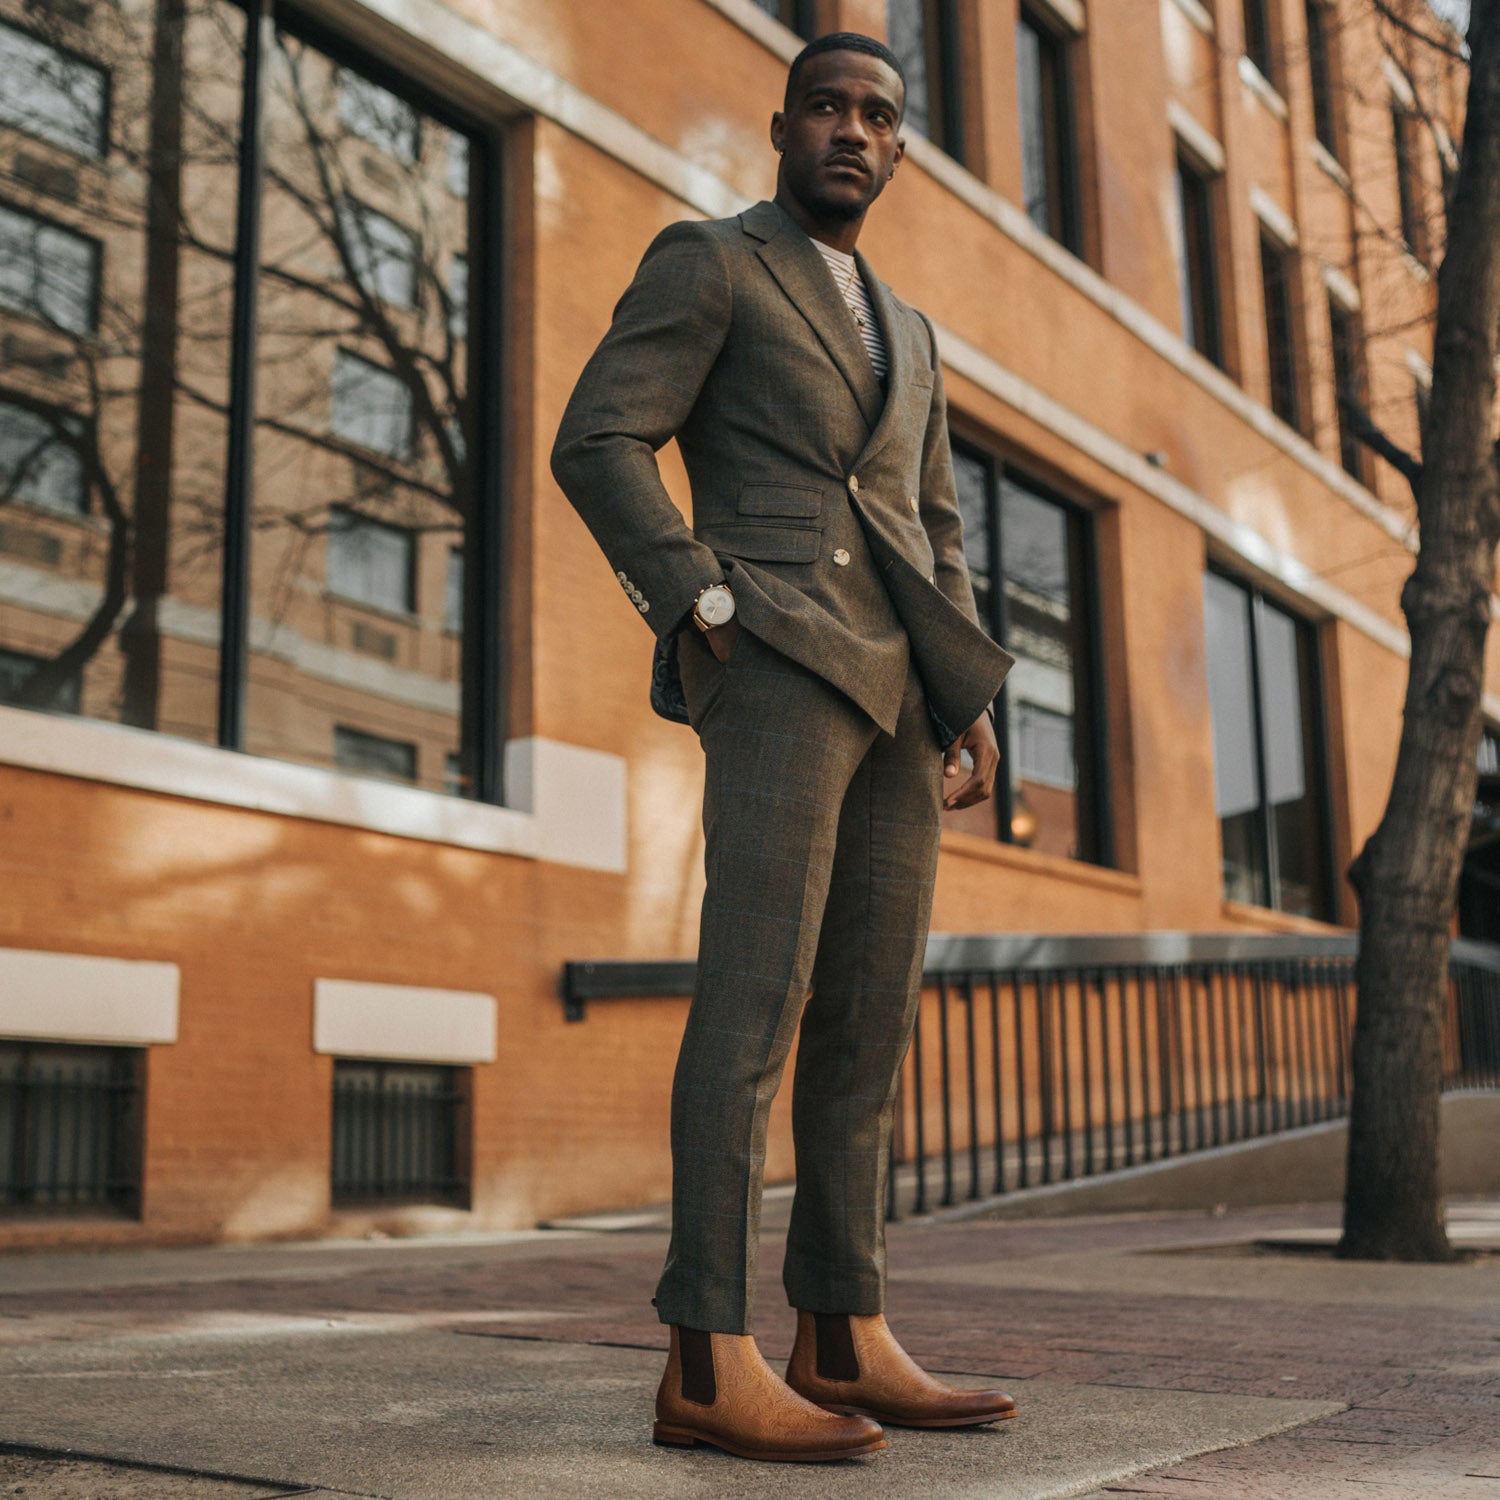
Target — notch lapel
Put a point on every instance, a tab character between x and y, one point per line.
803	275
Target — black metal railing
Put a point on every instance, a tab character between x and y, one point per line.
69	1128
397	1133
1038	1059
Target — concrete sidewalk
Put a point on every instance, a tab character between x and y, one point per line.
1151	1355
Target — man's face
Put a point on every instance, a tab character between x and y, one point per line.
840	134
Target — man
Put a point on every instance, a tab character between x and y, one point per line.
816	626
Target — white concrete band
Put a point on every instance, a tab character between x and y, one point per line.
403	1023
75	997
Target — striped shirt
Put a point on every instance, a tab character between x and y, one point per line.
848	280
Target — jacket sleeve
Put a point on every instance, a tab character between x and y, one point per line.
940	513
634	394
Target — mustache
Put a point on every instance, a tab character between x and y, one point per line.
847	159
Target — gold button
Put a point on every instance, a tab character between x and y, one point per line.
854	484
841	557
911	500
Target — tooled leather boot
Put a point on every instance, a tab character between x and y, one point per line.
717	1389
853	1364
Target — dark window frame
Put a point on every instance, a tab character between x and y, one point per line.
944	77
1347	356
122	1103
1406	144
799	16
1283	343
1091	747
96	288
1326	77
483	676
1315	717
72	54
1059	128
1199	271
454	1100
1261	40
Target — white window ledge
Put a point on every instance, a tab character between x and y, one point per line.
569	802
1262	88
75	997
402	1022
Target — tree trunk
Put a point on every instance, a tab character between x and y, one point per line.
1407	875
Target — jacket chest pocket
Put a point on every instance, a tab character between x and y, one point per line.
787	502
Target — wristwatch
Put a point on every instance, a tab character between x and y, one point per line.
715	606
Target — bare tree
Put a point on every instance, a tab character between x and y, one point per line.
1407	874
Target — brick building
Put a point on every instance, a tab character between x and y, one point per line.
324	740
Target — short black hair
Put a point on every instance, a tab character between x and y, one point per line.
844	41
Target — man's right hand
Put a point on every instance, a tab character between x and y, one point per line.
721	638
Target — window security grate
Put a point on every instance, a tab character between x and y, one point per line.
396	1133
69	1133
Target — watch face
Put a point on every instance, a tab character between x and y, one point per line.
716	605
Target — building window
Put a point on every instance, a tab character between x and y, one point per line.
396	1133
50	95
1281	329
371	562
373	754
48	272
1030	555
371	406
1406	131
924	35
69	1127
1044	95
1322	57
374	193
381	254
1264	698
378	116
1347	342
39	462
20	687
800	16
1260	45
1197	249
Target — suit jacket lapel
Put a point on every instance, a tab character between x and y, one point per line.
898	355
804	276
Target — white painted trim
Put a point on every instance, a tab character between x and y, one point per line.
1400	85
1198	14
1262	87
402	1022
1421	371
1329	164
1340	288
1227	535
75	997
576	812
1195	136
1274	217
1068	15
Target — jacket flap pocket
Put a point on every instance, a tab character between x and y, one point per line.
790	544
798	501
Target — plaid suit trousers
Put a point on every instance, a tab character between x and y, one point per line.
822	835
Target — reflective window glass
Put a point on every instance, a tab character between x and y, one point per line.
48	272
40	461
358	341
1044	101
1048	714
49	94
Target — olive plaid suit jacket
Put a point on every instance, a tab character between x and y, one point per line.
828	506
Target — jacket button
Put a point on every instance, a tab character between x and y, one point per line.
841	557
911	500
854	484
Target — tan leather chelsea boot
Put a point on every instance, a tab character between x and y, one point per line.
718	1390
853	1364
